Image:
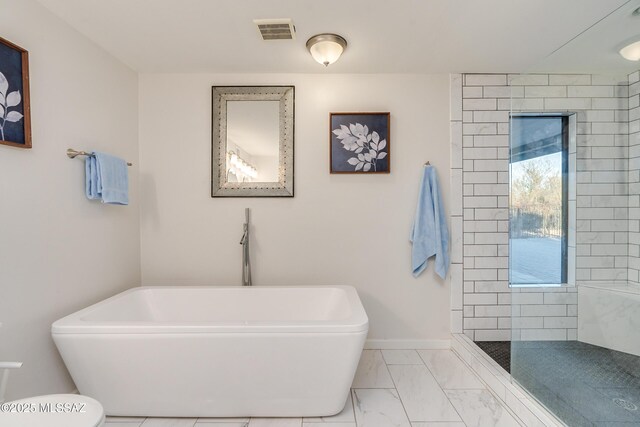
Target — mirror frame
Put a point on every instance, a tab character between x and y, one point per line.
220	187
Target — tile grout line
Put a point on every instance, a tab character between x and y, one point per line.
441	389
353	402
375	388
453	389
397	392
438	383
353	406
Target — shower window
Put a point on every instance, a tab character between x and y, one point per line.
539	205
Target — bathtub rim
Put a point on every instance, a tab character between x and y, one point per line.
74	324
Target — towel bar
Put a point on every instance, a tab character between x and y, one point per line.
72	154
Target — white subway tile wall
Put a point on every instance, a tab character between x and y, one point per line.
458	252
633	260
607	237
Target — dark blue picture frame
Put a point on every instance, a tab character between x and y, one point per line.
15	111
359	143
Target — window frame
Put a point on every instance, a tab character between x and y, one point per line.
566	171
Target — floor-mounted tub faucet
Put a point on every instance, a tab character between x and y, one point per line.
246	262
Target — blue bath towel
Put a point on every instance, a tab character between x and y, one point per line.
430	235
107	179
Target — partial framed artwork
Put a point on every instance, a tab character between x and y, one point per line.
15	114
359	143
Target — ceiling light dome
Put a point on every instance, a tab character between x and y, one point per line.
326	48
631	51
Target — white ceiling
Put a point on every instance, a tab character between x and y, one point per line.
596	50
385	36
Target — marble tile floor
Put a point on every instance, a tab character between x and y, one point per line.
392	388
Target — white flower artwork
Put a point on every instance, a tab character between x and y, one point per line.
367	146
8	100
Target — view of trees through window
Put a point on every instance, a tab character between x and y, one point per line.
537	202
536	197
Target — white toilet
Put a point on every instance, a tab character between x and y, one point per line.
53	410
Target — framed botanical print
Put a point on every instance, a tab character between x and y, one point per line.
359	143
15	117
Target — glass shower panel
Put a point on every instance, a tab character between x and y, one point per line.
573	226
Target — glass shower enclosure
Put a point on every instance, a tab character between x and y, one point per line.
574	229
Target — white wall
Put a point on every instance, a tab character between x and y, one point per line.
58	251
338	229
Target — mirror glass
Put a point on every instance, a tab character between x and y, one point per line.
253	134
252	141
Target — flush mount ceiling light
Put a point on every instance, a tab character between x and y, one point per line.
326	48
631	51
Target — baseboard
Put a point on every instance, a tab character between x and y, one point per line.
407	344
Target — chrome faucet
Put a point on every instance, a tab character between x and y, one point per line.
246	261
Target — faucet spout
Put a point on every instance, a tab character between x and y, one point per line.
246	260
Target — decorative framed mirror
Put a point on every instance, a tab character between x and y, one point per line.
252	141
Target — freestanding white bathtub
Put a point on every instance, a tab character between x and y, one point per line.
184	351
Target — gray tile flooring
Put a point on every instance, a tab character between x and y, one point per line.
392	388
583	384
500	351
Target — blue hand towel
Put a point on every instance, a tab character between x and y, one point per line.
91	178
107	179
430	235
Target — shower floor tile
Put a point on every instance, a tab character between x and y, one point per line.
583	384
500	351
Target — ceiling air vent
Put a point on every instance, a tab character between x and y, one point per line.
276	29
